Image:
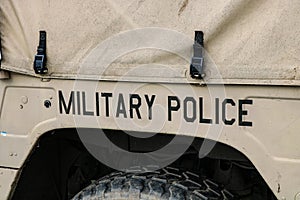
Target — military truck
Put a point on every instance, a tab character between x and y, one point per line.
141	99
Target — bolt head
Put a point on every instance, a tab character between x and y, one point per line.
47	103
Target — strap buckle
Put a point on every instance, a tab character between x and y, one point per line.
197	62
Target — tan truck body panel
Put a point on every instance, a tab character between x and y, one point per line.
271	143
254	44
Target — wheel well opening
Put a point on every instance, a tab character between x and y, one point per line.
60	165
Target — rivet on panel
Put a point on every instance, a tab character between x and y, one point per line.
24	99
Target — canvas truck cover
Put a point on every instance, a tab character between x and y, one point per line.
245	39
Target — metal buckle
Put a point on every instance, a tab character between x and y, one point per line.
196	67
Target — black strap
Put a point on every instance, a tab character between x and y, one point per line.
40	58
196	67
0	51
42	43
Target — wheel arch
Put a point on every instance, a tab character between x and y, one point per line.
69	136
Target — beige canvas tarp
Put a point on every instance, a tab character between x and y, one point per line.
246	39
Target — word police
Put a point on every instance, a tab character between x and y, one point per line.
193	109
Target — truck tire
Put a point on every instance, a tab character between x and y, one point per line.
167	183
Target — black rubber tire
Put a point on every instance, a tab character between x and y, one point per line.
167	183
